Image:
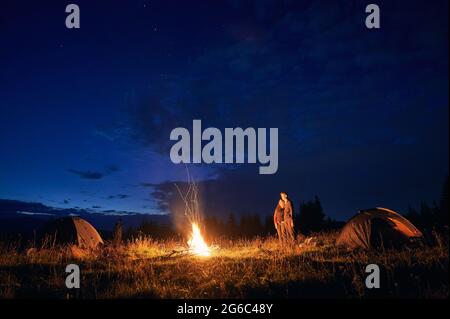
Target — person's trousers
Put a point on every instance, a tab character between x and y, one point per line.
288	232
279	228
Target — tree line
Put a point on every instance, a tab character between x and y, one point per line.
434	216
309	218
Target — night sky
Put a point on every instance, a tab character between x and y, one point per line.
85	114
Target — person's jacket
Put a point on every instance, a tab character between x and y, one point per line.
278	215
288	210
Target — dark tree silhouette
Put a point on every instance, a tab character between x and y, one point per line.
268	228
434	217
232	227
156	230
118	232
311	217
443	205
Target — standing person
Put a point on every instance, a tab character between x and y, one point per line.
278	220
288	220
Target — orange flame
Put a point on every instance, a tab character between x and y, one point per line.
196	243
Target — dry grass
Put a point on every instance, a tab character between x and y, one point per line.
258	268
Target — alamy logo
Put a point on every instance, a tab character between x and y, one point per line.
73	19
212	151
373	279
373	19
73	279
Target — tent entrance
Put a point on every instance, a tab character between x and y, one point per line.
385	233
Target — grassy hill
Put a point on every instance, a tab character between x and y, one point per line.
258	268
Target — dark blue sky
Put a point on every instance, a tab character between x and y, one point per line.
85	115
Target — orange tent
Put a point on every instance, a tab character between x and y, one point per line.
72	231
376	227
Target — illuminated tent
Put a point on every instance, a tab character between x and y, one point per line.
72	231
375	228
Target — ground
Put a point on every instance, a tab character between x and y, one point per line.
258	268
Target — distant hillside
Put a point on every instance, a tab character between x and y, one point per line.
24	217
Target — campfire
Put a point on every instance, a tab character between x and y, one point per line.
196	243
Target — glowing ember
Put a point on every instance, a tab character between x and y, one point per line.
196	244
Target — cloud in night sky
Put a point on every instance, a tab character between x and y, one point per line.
147	184
87	174
119	196
362	114
318	77
95	175
340	96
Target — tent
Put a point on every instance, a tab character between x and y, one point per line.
72	231
375	228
